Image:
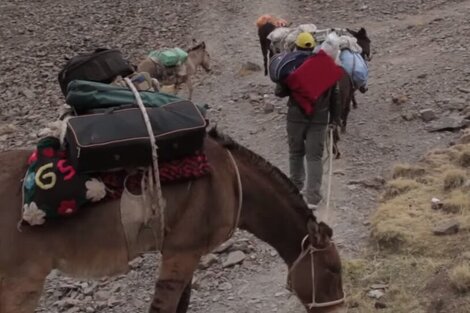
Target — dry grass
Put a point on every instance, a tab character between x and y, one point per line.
404	253
464	158
398	186
405	219
403	275
457	202
460	277
454	178
407	171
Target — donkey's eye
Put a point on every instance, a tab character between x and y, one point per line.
334	268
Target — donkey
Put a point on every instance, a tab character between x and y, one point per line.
242	190
347	89
266	24
197	56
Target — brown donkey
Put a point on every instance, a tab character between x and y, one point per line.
199	216
197	56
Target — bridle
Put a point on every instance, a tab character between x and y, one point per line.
311	250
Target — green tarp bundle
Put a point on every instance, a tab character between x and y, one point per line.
84	96
169	57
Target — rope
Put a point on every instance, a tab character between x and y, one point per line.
353	70
240	191
155	190
330	173
156	84
20	222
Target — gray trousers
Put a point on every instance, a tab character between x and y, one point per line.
306	141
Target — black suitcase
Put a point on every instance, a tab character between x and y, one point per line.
103	65
119	139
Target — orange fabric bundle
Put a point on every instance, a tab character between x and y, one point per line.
266	18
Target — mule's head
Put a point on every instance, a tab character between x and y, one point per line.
316	275
200	56
363	41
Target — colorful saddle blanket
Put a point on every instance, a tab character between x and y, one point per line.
52	187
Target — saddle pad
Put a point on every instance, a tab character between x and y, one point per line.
176	171
54	189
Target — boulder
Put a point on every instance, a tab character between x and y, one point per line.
427	115
450	227
235	257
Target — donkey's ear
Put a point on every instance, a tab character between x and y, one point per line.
362	32
203	44
352	32
313	231
325	230
320	234
194	41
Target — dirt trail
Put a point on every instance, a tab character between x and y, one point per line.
232	41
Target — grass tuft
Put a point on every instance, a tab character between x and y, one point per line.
398	186
453	179
460	277
407	171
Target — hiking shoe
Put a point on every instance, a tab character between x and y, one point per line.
363	89
312	207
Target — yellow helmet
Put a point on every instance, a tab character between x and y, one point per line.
305	40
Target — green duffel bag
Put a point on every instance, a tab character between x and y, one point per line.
87	96
169	57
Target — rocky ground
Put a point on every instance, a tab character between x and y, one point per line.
419	85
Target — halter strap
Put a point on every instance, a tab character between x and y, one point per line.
312	250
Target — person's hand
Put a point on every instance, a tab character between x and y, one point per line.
333	127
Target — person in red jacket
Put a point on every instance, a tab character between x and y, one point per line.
306	132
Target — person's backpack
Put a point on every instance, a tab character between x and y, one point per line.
355	66
312	79
169	57
102	65
284	63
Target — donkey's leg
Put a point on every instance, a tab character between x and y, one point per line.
189	83
345	114
354	101
185	299
264	51
21	293
175	274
